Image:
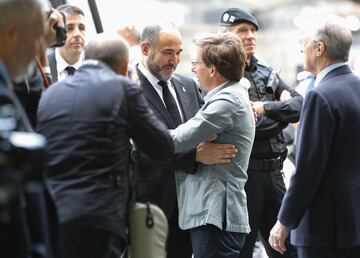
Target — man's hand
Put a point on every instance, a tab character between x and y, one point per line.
50	33
215	153
277	237
258	107
285	95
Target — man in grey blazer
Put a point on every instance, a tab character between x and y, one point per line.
161	46
212	202
64	61
325	218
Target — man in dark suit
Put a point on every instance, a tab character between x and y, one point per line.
161	47
64	61
322	205
88	119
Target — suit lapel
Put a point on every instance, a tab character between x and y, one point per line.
182	97
154	99
52	64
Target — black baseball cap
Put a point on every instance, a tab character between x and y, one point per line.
233	16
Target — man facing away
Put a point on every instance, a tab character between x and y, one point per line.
277	105
64	61
324	218
174	100
212	202
88	120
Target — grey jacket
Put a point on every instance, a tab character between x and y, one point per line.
215	194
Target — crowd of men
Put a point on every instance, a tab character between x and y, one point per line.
209	153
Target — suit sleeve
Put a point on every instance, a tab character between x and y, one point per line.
205	124
187	160
317	127
285	111
281	113
148	133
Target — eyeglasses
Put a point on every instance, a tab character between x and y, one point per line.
303	42
195	63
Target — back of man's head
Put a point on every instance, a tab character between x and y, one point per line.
113	51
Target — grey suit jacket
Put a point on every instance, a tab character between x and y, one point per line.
53	67
215	194
155	182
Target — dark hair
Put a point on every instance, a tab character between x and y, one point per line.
224	51
70	10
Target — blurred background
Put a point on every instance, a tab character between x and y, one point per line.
280	21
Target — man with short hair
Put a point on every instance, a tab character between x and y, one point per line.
88	120
66	60
276	105
212	202
322	206
174	99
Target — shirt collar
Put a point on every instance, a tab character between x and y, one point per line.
325	71
61	64
211	93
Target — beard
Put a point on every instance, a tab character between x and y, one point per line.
156	69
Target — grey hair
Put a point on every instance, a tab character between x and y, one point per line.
70	10
336	37
151	33
113	51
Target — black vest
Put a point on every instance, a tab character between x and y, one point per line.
273	145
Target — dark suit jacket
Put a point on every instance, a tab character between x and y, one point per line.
322	204
53	67
156	182
88	119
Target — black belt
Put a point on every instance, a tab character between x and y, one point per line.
266	165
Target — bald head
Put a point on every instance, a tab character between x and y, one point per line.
114	52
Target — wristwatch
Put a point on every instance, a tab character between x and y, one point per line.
267	107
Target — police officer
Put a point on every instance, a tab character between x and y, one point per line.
276	104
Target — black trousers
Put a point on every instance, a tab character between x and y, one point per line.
178	243
265	191
211	242
78	241
329	252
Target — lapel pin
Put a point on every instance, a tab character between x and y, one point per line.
184	90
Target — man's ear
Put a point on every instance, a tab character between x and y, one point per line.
212	71
123	69
145	48
320	48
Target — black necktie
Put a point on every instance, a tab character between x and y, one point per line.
70	70
170	104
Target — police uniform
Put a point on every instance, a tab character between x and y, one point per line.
265	187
